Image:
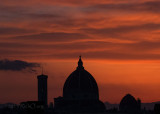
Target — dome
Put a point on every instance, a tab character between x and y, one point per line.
80	85
129	104
128	99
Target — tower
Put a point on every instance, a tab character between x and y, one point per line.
42	88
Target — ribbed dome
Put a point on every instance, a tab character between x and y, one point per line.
128	99
80	85
129	104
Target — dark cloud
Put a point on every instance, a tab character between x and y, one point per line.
60	46
53	37
14	31
12	9
29	13
54	31
91	49
17	65
44	15
121	30
144	46
150	6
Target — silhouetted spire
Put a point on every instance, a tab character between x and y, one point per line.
42	70
80	63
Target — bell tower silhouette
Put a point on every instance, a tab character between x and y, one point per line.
42	88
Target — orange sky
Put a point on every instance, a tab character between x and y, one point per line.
118	40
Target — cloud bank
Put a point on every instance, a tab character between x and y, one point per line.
119	30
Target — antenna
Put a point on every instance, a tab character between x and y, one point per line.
42	69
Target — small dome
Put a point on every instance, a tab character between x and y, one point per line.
80	85
129	104
128	99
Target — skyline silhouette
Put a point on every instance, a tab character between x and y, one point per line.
119	42
34	86
80	95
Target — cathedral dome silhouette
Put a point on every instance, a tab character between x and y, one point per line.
129	104
128	99
80	93
80	85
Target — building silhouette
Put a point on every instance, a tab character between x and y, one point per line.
129	104
80	93
157	108
42	89
32	107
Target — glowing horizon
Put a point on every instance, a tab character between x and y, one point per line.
119	42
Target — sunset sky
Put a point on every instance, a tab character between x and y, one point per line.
119	41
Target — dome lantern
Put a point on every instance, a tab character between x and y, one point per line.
80	63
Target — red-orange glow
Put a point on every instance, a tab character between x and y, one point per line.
119	42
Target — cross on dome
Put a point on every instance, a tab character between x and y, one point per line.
80	63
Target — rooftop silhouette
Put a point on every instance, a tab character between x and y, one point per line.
80	95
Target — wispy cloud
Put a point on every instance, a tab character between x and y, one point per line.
97	29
